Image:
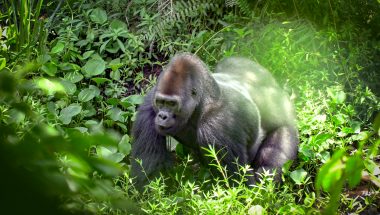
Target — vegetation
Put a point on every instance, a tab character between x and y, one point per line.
72	74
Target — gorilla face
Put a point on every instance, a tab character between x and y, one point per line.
174	110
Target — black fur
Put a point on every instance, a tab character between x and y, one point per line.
240	110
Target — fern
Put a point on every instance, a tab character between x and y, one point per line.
174	13
245	7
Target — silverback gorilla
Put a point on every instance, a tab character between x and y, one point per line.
240	110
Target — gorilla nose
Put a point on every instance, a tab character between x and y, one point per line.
163	116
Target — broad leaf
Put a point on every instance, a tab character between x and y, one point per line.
99	16
69	112
2	63
135	99
298	176
88	54
73	77
100	80
124	145
58	48
49	68
86	95
70	87
49	86
117	24
94	67
116	114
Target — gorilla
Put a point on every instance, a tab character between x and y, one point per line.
240	110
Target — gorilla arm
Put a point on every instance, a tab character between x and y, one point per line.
149	146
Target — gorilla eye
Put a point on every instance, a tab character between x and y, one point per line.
171	103
194	92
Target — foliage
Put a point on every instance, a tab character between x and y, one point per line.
72	74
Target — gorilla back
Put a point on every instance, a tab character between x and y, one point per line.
240	110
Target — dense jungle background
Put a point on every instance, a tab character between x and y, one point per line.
72	74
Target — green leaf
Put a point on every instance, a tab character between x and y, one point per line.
94	67
321	138
115	75
73	77
116	114
340	97
104	45
100	80
42	59
50	87
135	99
115	64
3	63
58	48
49	68
69	67
88	54
113	101
70	87
87	94
117	24
69	112
298	176
121	45
114	48
125	145
99	16
376	124
82	129
110	153
331	172
371	166
354	167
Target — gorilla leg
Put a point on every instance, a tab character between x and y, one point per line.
277	148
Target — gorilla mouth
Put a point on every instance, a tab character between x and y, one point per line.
163	129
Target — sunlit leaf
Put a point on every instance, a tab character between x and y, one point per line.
3	63
49	68
371	166
298	176
50	87
58	48
376	124
115	64
340	97
354	167
331	172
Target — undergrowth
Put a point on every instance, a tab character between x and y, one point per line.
72	74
